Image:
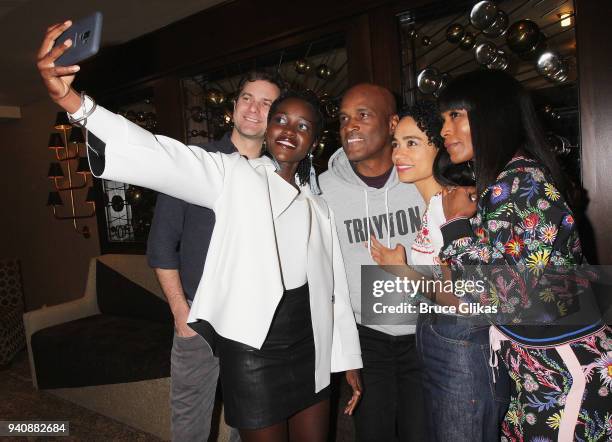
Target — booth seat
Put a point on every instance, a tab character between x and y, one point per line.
110	349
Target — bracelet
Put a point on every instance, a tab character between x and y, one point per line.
82	121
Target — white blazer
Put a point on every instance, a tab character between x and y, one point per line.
241	285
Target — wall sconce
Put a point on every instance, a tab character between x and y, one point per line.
68	152
565	19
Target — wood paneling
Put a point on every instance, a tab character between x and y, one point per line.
169	107
594	40
386	60
359	51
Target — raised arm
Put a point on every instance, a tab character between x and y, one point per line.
122	151
57	79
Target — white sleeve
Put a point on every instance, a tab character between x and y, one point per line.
346	350
120	150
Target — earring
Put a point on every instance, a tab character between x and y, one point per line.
276	165
314	186
470	166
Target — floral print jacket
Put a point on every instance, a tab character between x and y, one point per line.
525	231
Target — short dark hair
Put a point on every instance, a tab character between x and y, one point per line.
303	169
271	77
502	121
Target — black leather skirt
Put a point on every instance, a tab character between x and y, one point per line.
264	387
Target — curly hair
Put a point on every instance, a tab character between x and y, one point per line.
427	117
426	114
309	97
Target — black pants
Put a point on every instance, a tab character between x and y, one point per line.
392	405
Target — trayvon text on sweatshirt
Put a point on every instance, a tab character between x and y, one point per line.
392	213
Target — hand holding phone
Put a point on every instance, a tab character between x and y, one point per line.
58	79
85	34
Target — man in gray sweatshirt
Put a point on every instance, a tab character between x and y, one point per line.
362	188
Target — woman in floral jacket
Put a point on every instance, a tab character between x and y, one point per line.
522	240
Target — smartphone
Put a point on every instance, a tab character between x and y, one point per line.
86	34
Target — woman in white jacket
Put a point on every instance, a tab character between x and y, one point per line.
273	286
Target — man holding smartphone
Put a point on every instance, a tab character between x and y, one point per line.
177	247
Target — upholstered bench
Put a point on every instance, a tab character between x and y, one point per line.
109	351
128	341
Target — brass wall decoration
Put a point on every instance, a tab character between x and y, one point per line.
69	174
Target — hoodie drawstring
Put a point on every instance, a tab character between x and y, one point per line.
367	206
387	215
365	195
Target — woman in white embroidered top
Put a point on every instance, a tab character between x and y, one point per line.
275	288
462	403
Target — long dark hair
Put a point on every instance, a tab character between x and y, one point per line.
426	115
503	121
303	169
448	173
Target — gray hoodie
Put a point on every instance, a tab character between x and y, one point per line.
393	213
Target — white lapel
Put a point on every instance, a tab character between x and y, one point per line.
281	192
